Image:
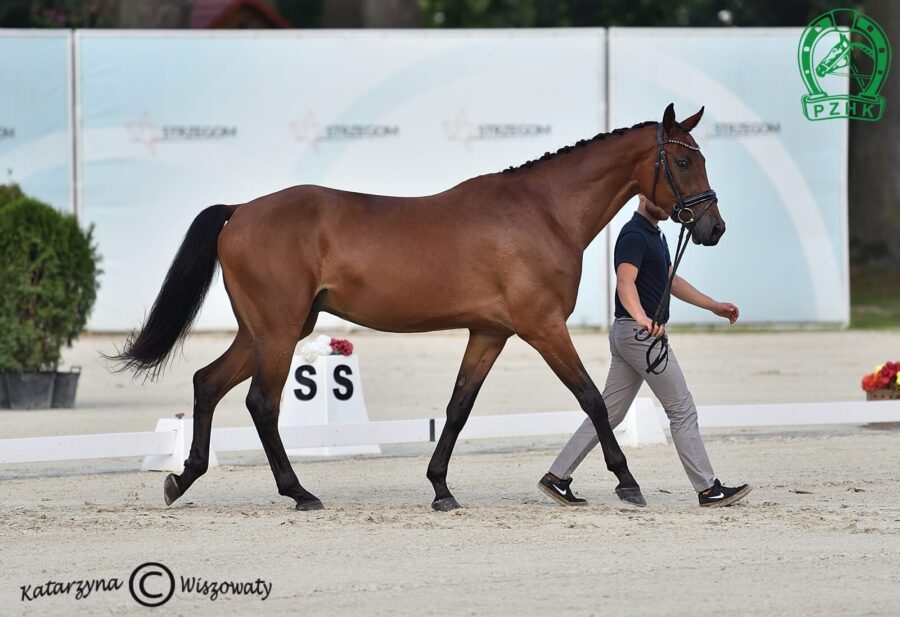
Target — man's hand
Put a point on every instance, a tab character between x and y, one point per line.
655	330
726	310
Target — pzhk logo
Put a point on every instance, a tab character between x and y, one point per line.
310	131
144	131
838	44
461	129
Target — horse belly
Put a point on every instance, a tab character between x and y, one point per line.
400	296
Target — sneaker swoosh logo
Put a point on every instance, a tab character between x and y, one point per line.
559	490
719	496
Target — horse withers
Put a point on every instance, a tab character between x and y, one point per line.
499	254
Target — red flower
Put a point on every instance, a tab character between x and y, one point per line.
342	346
870	382
885	377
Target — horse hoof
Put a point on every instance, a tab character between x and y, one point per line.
309	505
445	505
171	492
632	496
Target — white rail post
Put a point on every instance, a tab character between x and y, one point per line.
642	425
184	434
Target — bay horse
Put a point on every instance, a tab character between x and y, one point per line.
499	254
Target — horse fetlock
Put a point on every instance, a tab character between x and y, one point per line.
436	476
617	463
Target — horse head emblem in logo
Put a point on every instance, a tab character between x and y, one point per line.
844	43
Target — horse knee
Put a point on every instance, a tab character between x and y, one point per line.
593	405
455	422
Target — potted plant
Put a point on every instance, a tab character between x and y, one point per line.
48	277
884	383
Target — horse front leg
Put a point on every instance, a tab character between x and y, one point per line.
554	344
481	352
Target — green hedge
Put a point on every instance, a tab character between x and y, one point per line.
48	281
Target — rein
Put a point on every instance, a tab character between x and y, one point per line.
660	345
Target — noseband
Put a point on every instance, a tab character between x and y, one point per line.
660	346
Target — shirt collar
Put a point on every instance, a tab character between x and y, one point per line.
643	222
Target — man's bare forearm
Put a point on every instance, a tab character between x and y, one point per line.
628	296
686	292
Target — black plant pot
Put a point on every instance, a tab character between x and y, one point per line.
64	387
30	390
4	395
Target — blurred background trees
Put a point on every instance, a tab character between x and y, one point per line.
422	13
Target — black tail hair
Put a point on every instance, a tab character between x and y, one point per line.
180	298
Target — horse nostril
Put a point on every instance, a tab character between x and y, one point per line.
718	230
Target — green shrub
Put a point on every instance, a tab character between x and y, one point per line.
9	193
48	281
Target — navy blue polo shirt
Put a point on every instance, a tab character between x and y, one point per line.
642	244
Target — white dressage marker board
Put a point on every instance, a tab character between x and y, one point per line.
327	391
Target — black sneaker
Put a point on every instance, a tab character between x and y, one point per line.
719	495
560	491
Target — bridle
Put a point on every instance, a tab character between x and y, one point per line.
682	204
660	346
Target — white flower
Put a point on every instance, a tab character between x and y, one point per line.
309	352
323	345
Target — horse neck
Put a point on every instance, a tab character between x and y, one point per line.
590	185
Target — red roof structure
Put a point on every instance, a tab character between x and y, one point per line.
235	14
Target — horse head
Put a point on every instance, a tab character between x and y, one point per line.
676	183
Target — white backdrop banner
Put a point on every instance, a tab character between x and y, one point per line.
781	179
35	114
172	123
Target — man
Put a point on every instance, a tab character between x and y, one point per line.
642	264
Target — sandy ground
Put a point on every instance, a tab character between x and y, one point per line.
820	534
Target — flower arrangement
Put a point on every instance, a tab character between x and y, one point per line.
885	377
325	346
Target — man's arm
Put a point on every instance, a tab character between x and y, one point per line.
686	292
626	274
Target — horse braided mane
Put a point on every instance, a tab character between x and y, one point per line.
578	144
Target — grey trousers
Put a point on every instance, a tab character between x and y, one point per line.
627	372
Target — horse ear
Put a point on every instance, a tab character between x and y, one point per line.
669	118
689	123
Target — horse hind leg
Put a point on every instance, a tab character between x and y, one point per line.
481	353
211	383
264	403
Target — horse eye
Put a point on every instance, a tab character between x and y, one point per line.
683	163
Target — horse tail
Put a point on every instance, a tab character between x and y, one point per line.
180	297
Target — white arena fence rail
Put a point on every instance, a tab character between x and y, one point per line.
168	446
